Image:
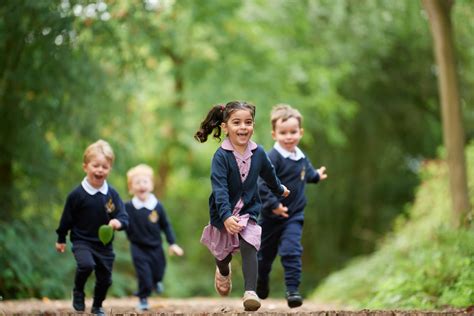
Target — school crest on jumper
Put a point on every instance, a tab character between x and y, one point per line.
303	173
110	206
153	217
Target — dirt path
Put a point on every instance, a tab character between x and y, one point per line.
199	306
126	306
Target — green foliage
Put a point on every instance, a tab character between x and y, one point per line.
424	263
31	267
143	74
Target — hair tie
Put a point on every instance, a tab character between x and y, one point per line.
222	108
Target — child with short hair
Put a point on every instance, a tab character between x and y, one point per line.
282	218
234	203
147	221
90	205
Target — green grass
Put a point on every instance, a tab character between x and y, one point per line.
423	264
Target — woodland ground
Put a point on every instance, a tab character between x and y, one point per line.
195	306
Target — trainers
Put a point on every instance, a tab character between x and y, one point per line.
251	301
99	311
223	284
143	305
78	301
159	287
263	288
294	299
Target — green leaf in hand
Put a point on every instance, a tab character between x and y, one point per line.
106	233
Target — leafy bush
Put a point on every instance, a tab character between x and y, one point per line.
424	263
31	267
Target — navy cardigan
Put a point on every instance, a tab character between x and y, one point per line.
227	187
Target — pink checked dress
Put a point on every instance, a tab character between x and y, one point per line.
219	241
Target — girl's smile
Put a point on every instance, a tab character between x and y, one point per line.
239	129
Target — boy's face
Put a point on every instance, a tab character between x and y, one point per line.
141	186
288	133
97	170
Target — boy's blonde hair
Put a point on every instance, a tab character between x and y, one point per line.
284	112
99	147
141	169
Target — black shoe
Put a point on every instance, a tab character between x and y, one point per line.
78	301
294	299
263	289
99	311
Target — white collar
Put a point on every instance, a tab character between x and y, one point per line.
91	190
150	202
297	155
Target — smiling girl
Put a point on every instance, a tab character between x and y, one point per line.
234	203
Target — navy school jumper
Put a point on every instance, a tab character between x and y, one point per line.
283	235
144	233
227	187
83	214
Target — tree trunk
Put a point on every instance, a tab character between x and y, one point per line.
164	163
453	131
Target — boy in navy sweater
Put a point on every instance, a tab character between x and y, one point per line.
90	205
147	222
282	217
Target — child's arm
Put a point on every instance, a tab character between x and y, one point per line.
174	249
165	225
65	224
269	176
322	173
115	223
60	247
270	201
219	186
281	211
232	225
315	175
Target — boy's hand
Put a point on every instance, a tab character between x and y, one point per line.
174	249
281	211
286	192
322	173
115	223
60	247
232	225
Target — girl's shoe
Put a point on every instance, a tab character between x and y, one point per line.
223	284
251	301
143	305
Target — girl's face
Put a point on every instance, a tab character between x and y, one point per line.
288	133
97	170
239	129
141	186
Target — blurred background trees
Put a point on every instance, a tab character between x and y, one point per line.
143	73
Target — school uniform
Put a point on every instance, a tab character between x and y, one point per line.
147	221
86	209
281	235
234	179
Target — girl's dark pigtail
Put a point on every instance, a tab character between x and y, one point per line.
212	123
